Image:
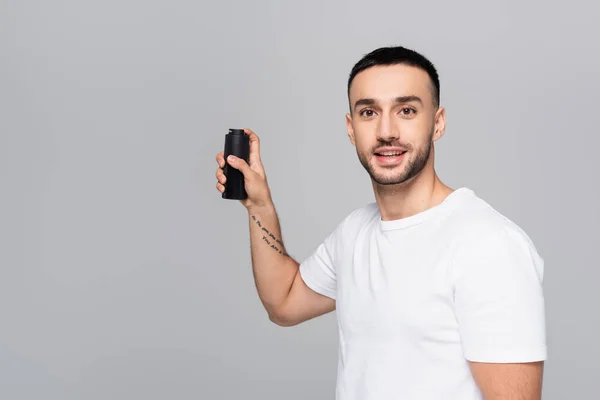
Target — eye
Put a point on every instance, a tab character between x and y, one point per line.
367	113
407	111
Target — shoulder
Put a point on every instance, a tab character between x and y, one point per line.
360	216
487	237
476	221
357	219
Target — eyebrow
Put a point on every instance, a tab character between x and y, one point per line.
397	100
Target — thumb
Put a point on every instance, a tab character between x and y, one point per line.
239	164
254	146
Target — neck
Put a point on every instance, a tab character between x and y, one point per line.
409	198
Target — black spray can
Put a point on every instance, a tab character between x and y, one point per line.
237	143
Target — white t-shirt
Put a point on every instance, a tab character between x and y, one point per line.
418	297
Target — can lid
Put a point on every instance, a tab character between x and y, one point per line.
236	131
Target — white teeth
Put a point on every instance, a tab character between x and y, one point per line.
391	153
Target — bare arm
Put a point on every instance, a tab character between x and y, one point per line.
519	381
285	296
283	293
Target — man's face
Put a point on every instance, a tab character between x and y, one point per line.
393	121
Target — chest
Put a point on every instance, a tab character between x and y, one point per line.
392	285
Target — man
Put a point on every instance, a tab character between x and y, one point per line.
438	295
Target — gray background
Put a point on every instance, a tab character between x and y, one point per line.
124	275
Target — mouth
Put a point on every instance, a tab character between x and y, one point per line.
392	156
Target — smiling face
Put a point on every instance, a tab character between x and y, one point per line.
393	121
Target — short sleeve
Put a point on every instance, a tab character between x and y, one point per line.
319	270
499	300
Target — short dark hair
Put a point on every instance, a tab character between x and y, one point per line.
398	55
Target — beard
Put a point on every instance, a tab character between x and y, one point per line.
398	174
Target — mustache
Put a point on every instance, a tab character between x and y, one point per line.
405	146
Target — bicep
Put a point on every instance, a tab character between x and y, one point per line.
509	381
303	304
501	316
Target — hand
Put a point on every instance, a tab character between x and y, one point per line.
255	179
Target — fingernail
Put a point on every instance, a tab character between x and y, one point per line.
231	158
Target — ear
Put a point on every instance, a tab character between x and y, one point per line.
440	124
350	129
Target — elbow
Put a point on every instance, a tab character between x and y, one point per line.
281	319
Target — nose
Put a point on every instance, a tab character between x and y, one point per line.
388	131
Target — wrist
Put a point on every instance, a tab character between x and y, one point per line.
262	209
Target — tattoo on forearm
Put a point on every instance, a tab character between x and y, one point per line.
268	237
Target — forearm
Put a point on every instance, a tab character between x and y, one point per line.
274	270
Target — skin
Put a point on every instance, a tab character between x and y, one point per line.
415	123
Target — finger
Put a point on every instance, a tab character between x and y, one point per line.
220	176
254	146
220	187
221	159
239	164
